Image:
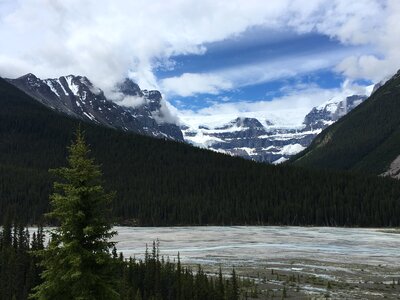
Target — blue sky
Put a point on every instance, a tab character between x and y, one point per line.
252	46
212	57
261	46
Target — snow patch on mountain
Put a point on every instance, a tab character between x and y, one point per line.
202	139
291	149
62	87
51	86
74	89
280	161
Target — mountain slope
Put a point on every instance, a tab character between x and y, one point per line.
161	182
76	96
365	140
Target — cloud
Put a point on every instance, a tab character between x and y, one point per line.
286	111
129	101
365	66
167	114
104	40
189	84
108	40
386	38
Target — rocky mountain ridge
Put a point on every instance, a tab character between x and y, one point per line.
78	97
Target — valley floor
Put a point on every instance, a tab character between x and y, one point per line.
314	279
276	262
306	262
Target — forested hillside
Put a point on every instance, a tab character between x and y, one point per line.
365	140
161	182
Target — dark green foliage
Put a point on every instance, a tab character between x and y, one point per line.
154	278
166	183
18	269
234	288
77	263
365	140
220	285
150	278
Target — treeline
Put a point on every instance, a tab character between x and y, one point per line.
19	270
151	278
167	183
157	278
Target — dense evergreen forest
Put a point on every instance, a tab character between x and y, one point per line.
366	140
81	262
160	182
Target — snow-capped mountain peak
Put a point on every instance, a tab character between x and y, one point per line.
262	140
78	97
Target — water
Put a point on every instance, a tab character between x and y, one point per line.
255	245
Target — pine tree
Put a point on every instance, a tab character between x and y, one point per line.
220	286
77	263
234	292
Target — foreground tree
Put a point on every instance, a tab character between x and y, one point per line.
77	263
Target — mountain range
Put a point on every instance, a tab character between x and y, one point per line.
146	113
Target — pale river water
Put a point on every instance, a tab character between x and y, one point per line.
250	245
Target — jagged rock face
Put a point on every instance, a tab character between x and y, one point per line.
328	113
128	87
78	97
268	142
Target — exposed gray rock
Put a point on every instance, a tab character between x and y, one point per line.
394	169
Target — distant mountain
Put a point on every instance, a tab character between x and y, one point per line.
366	140
328	113
264	141
76	96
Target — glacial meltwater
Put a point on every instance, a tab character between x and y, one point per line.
255	245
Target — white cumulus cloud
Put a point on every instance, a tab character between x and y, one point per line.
189	84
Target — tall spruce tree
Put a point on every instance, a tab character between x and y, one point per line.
77	263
